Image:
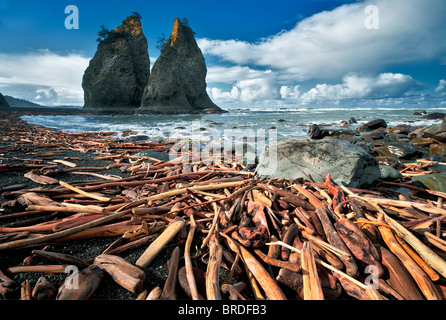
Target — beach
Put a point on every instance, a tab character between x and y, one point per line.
226	201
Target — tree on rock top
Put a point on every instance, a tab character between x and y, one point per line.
177	83
116	76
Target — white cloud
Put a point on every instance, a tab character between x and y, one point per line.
219	74
43	77
330	44
385	88
287	92
249	91
354	87
441	86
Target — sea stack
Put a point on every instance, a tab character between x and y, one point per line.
177	83
115	78
3	102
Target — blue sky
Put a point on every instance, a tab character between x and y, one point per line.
282	53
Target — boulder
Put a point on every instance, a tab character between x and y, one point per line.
435	182
347	164
422	142
119	71
375	124
399	150
434	116
3	102
177	83
401	129
436	132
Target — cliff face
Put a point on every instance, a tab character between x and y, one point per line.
3	102
177	83
116	76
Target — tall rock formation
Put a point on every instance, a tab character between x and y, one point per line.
177	83
3	102
115	78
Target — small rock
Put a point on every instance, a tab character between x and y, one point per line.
316	133
375	124
389	173
389	161
401	129
434	116
438	149
378	134
352	120
421	142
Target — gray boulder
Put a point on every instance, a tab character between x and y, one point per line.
116	76
437	132
177	83
3	102
346	163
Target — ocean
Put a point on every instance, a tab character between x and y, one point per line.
286	123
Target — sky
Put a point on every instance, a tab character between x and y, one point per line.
263	53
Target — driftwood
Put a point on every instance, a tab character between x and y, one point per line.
44	289
398	277
154	249
82	285
310	278
124	273
267	283
421	278
314	238
169	290
335	239
213	271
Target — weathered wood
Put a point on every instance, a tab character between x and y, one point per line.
267	283
213	271
82	285
421	278
44	290
156	246
169	290
123	272
311	282
398	277
335	240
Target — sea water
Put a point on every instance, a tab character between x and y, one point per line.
287	123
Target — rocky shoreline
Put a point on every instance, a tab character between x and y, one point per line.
54	182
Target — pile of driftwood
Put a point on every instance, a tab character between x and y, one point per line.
236	237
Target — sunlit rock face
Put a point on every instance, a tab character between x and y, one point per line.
177	83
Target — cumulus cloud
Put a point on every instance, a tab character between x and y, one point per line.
382	88
247	91
330	44
220	74
441	86
43	77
